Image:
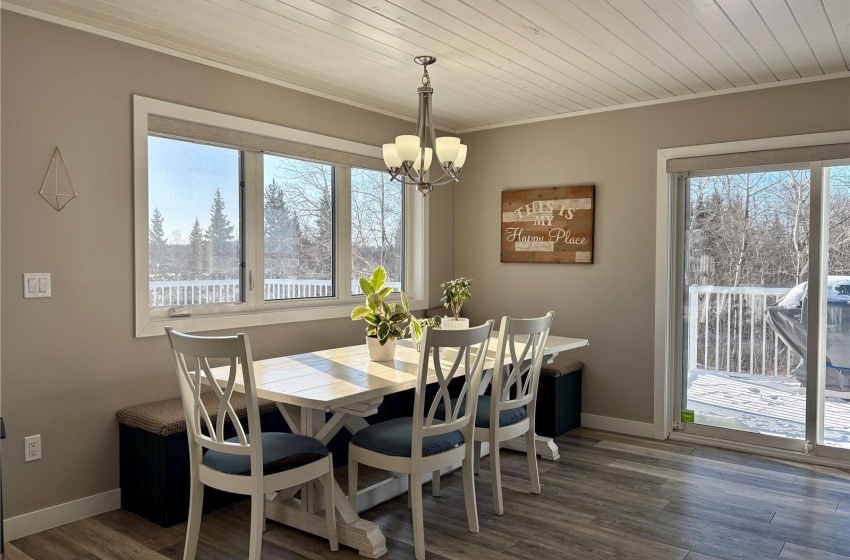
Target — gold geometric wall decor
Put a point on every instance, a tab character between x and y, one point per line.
57	188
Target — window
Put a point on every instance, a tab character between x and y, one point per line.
298	208
242	223
195	224
377	227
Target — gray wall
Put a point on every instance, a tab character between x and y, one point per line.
610	302
71	361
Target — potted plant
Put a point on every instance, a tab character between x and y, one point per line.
455	293
385	322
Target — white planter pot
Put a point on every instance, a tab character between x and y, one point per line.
378	353
452	324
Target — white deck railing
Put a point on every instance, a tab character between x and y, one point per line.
727	332
170	293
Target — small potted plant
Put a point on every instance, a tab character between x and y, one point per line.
385	322
455	293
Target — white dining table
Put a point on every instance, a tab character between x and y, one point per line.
344	383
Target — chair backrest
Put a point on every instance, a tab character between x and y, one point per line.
519	357
449	352
191	359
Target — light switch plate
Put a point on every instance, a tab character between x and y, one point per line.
36	284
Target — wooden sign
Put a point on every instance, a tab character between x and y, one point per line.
552	225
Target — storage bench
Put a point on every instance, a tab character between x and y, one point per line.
559	397
154	456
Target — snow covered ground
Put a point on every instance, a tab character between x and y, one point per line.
767	405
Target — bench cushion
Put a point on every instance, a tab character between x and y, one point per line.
281	452
561	366
393	438
167	417
436	312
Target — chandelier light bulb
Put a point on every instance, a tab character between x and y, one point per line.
407	146
417	165
448	148
461	157
391	157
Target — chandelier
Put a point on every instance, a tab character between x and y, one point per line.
409	158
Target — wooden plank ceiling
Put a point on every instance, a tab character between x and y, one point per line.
499	61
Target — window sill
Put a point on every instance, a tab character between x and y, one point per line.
148	326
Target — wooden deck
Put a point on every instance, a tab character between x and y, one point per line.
608	497
767	405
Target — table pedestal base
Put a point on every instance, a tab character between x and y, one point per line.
361	535
546	447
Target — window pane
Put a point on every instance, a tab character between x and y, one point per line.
746	262
837	329
377	227
299	228
194	224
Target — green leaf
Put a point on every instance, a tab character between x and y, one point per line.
378	278
366	287
405	304
386	291
374	302
359	312
416	327
372	319
383	332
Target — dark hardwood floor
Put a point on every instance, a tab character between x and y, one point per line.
608	497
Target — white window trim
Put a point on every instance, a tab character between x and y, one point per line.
255	311
665	256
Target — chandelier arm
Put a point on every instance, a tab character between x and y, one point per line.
433	132
422	128
447	178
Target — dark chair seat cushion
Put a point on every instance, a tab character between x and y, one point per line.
281	452
393	438
482	416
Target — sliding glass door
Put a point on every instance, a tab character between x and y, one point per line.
745	260
836	318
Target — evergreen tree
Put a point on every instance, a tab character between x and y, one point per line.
281	234
219	237
197	251
157	248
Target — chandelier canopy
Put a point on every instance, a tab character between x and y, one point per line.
409	158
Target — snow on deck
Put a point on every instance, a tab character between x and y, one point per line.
767	405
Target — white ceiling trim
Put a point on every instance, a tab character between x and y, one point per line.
67	22
739	89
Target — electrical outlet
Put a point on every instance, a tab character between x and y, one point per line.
32	448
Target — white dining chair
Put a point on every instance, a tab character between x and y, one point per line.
420	444
239	464
513	397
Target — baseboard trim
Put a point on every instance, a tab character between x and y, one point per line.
618	425
61	514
